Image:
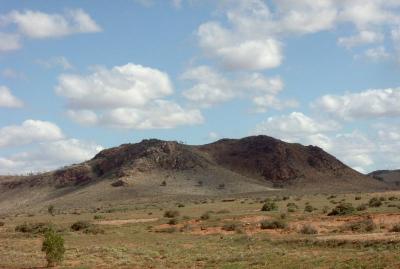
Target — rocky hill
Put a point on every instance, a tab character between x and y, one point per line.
391	177
155	168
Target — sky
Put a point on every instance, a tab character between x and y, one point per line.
80	76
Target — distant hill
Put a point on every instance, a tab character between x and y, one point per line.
155	169
391	177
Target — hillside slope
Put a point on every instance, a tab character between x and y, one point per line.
391	177
156	169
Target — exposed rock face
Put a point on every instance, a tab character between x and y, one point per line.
77	174
274	160
145	156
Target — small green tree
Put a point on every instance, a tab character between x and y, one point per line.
53	246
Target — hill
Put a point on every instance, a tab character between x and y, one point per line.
155	169
391	177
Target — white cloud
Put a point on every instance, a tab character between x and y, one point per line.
128	96
59	61
7	99
234	52
158	115
36	24
10	73
150	3
366	104
377	54
47	156
294	125
213	136
211	87
364	37
122	86
9	42
30	131
250	34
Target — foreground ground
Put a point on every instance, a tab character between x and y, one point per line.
216	233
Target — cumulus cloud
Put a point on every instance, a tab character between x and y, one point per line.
9	42
41	25
150	3
236	52
47	156
36	24
371	103
209	87
251	33
364	37
59	61
377	54
7	99
48	148
30	131
10	73
297	127
129	96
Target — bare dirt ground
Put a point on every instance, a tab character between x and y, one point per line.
212	233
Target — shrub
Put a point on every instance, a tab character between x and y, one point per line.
361	226
232	226
309	208
362	207
269	206
181	205
34	228
200	183
205	216
374	202
342	209
273	224
2	223
325	209
173	221
392	198
98	217
80	225
308	229
163	183
53	246
396	228
171	214
50	209
221	186
357	198
291	207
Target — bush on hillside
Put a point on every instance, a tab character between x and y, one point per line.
269	206
342	209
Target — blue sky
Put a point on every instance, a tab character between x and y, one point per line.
79	76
